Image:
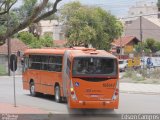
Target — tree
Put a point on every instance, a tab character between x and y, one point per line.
158	4
33	42
35	29
40	10
151	44
5	6
90	25
141	47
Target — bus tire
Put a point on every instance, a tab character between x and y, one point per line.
32	89
57	94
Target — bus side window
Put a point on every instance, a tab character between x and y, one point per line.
35	62
44	64
51	66
58	63
55	63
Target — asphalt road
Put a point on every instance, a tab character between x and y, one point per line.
129	103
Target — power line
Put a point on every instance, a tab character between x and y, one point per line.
140	15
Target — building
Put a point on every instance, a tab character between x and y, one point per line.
16	45
124	45
150	27
142	8
52	27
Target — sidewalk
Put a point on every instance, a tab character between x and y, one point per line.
140	88
9	108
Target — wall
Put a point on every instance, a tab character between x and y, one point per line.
149	29
4	64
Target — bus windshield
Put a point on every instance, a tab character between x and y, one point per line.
94	66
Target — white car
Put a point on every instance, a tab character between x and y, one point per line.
123	65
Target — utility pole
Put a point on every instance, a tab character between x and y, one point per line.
8	43
120	47
141	32
9	53
141	39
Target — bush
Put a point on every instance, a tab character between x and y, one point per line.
26	37
33	42
134	75
46	41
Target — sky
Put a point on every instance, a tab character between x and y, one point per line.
118	8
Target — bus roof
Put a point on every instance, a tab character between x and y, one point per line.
94	53
45	51
74	52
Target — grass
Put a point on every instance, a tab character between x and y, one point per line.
142	76
2	70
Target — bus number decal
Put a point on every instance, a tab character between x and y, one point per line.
108	85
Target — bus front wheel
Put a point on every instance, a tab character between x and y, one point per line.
57	94
32	89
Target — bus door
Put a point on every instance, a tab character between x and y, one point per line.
34	71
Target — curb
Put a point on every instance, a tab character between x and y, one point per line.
139	92
17	76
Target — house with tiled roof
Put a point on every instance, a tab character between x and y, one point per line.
16	45
124	45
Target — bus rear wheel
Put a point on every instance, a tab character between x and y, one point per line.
32	89
57	94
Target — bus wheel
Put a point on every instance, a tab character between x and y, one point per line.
32	89
57	94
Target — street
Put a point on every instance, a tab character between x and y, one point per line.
129	103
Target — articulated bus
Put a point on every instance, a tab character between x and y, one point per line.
85	78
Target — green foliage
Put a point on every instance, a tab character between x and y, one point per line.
2	70
23	16
2	29
13	21
90	25
46	41
27	8
33	42
150	45
27	37
158	4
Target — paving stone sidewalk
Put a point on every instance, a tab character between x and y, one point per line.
10	109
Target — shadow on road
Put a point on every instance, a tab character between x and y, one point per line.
46	97
89	112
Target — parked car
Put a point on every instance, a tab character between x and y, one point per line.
123	65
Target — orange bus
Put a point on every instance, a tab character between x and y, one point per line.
90	79
86	78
